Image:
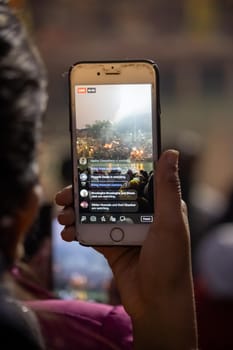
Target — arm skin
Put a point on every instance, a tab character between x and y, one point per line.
154	281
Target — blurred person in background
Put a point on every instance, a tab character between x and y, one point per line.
19	73
23	100
23	81
207	205
211	190
213	261
214	288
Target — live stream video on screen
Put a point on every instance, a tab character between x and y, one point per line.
114	153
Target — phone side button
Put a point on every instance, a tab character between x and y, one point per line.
117	234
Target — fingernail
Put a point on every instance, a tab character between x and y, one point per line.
172	158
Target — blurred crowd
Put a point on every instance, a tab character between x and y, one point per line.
207	188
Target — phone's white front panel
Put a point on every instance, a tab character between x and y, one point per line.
114	159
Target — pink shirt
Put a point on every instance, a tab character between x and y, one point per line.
83	325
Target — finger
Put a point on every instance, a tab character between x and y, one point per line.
68	234
66	216
111	253
65	196
168	191
184	207
118	257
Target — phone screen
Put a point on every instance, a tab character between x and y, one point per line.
114	153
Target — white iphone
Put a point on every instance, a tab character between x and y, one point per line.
115	137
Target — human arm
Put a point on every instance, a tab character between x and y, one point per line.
155	280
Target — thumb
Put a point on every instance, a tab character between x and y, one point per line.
168	207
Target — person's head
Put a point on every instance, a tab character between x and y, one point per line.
23	101
214	261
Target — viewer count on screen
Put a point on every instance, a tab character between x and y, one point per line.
114	153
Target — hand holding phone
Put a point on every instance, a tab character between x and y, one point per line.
155	281
115	139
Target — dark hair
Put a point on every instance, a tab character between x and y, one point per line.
18	325
23	101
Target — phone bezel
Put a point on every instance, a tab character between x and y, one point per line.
138	71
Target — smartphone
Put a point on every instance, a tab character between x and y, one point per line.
115	142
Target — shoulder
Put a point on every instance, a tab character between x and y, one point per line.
88	325
18	325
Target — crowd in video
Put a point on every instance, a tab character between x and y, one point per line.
115	172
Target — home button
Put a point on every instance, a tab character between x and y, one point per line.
117	234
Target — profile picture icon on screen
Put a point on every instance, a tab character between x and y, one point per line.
83	176
83	193
82	160
84	204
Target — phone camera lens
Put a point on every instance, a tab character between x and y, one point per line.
98	73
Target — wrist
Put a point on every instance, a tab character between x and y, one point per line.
169	325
